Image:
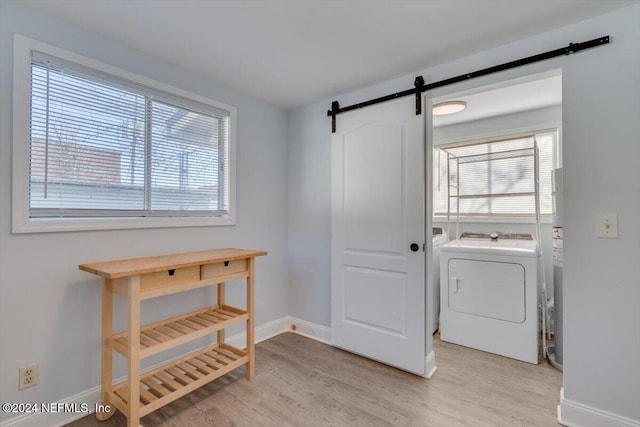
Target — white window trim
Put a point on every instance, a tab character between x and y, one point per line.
21	221
513	133
503	134
437	219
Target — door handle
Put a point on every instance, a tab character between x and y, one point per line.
414	247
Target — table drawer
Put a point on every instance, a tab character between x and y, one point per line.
167	278
224	268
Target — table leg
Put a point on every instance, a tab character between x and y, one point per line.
251	369
107	357
221	301
133	372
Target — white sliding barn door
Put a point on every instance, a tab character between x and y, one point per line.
377	280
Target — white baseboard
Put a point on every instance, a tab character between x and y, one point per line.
90	398
430	367
262	333
574	414
310	330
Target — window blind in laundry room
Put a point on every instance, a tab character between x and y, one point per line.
505	175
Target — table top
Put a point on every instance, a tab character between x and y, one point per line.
136	266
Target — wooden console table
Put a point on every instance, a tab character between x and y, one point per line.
143	278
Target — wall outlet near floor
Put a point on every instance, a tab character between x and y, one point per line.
27	376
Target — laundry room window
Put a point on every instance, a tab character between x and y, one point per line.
104	148
503	170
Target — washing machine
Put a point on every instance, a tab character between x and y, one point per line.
489	293
439	238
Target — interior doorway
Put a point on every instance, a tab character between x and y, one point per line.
529	106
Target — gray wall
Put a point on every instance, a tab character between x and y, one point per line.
310	214
601	139
49	310
601	158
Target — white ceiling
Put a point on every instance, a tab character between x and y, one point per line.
293	53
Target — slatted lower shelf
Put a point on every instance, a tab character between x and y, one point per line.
178	378
160	336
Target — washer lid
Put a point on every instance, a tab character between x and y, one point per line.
524	248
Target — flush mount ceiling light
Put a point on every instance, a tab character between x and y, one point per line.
448	107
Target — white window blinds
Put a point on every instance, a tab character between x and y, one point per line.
101	146
494	179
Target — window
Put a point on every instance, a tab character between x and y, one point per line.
107	149
504	169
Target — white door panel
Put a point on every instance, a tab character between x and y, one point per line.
387	289
373	164
378	287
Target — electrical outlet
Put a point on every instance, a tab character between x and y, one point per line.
27	376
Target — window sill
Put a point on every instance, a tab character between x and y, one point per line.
53	225
492	220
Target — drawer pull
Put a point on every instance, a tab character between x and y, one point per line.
456	285
226	263
171	272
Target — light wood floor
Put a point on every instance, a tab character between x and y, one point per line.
301	382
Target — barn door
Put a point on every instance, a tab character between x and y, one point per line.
378	262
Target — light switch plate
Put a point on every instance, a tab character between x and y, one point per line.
607	226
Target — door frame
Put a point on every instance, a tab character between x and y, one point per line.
430	355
